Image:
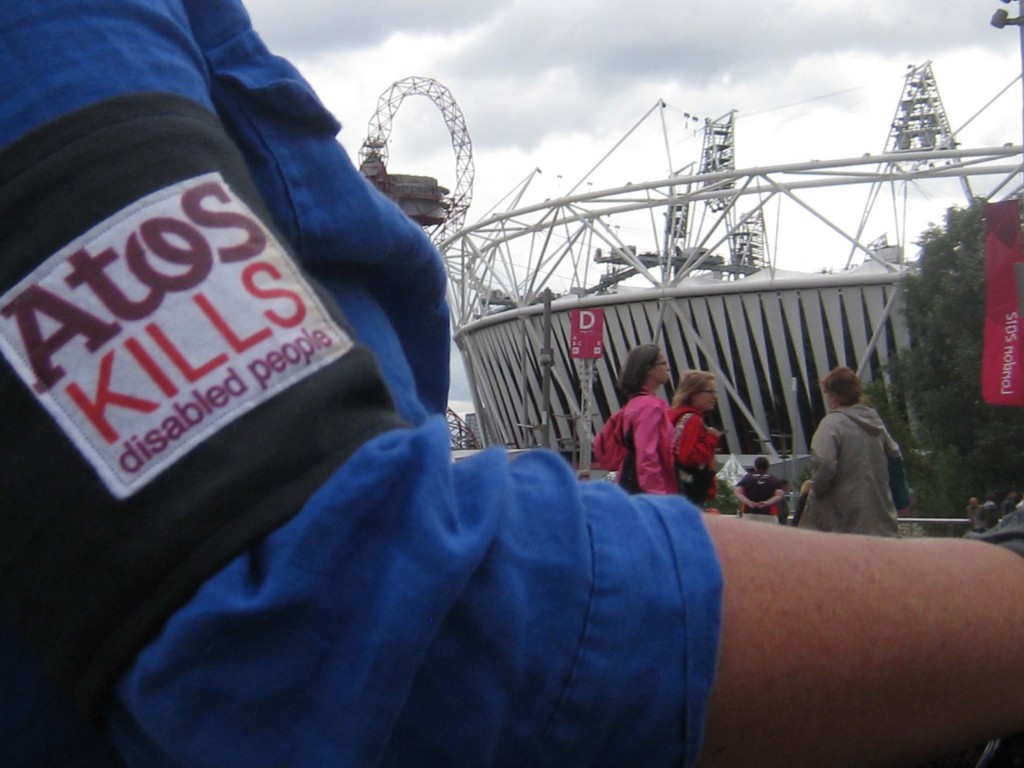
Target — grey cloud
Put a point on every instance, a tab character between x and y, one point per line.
523	70
661	39
600	54
313	26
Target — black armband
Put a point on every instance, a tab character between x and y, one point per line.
173	387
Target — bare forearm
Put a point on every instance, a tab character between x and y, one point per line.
861	651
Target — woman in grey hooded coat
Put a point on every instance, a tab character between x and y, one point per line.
849	459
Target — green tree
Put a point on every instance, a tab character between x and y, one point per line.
961	446
725	500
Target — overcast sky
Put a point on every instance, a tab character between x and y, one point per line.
541	83
553	85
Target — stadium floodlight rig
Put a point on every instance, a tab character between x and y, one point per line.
920	124
746	238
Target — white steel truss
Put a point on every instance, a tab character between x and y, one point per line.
767	276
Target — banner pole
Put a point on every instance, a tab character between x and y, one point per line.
583	428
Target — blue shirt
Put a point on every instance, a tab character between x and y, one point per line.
415	611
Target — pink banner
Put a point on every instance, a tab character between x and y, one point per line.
1002	366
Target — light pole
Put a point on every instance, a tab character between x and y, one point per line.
1001	18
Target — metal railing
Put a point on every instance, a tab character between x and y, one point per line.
933	527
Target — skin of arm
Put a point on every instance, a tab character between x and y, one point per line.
775	499
738	491
867	646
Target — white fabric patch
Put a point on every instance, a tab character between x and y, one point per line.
162	325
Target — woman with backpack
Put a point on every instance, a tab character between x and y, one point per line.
694	442
642	426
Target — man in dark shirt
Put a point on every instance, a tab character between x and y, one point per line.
761	493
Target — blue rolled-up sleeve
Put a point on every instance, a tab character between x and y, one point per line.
418	612
587	635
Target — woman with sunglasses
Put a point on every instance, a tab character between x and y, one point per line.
694	442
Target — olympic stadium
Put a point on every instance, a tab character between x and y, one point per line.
699	262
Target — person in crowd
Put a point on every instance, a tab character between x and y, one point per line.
1008	504
761	493
974	515
645	426
990	515
695	442
850	490
801	503
231	532
1011	521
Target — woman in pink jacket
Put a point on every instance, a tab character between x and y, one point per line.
645	418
